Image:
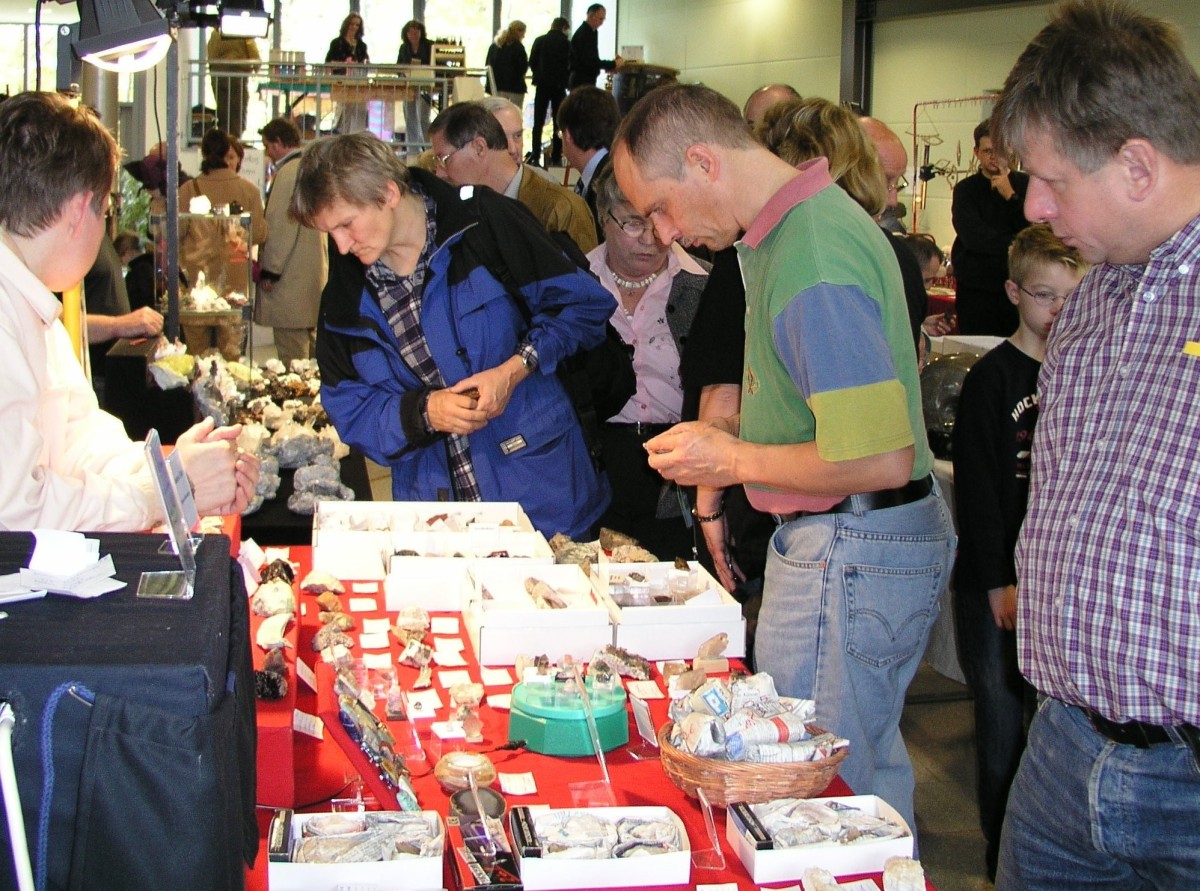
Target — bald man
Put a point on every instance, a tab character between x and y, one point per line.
764	98
893	157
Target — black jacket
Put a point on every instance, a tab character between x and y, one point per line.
509	64
585	57
550	61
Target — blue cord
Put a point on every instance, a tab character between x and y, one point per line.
47	740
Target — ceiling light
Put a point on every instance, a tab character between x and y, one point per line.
244	18
121	35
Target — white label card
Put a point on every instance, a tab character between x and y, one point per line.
518	784
377	641
449	678
306	674
495	677
444	625
365	587
645	724
376	626
449	658
303	722
363	605
644	689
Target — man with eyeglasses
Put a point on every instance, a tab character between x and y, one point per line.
471	149
988	210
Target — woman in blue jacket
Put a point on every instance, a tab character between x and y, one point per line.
428	362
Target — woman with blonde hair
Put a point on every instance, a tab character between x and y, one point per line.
799	130
509	62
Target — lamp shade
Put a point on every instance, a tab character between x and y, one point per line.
244	18
121	35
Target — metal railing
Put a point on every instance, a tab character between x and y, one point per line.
396	102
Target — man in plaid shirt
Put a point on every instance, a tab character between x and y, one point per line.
1104	110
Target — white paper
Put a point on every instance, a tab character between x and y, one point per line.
501	702
644	689
444	625
377	660
448	658
365	588
251	553
273	553
423	703
306	674
310	725
59	553
376	626
363	605
517	784
708	597
377	641
449	678
495	677
732	886
448	730
448	644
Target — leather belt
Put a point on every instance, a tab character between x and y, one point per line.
913	490
640	429
1143	736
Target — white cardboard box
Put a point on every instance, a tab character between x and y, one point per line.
673	631
541	873
408	874
439	579
507	623
789	864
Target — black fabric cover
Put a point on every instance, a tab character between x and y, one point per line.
154	782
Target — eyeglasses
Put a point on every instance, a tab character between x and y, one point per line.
1045	298
899	185
442	159
634	228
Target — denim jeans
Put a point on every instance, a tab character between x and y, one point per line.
1003	702
847	606
1088	813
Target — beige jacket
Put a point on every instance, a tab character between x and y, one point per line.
559	209
294	253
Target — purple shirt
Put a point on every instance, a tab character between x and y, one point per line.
1108	562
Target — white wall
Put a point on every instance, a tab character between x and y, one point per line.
736	45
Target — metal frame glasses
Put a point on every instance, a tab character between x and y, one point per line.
635	228
1045	298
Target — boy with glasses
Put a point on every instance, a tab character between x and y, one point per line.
993	433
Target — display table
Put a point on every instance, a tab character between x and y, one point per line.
634	782
153	780
131	395
274	524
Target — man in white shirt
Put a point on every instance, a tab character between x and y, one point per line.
68	464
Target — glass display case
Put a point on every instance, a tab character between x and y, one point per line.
216	288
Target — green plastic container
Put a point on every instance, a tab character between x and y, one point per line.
553	722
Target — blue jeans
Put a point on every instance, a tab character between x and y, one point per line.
1088	813
847	606
1003	702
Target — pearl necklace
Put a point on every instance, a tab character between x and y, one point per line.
634	285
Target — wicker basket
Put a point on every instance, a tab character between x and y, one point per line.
725	782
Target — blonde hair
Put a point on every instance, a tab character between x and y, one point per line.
514	33
1036	246
798	130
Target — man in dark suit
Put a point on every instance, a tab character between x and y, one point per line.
588	118
549	61
586	63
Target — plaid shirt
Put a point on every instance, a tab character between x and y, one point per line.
399	297
1109	556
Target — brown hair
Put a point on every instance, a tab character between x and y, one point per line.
355	168
1036	246
798	130
50	151
362	28
1098	75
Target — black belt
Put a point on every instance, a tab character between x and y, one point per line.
640	429
913	490
1137	733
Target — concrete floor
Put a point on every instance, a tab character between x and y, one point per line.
937	727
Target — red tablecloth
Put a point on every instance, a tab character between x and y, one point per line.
634	782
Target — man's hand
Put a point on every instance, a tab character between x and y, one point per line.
716	536
1003	602
210	459
142	322
695	453
1002	184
